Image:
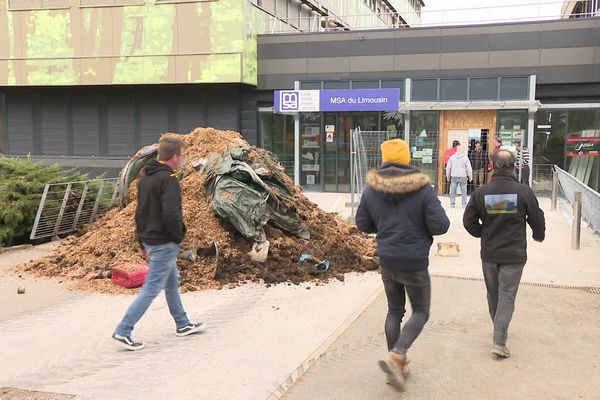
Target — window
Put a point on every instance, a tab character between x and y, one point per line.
310	85
104	3
14	5
395	84
277	136
514	88
424	90
336	85
453	89
484	89
365	84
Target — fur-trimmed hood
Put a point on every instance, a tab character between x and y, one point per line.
394	179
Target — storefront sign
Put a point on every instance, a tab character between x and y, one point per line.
583	147
337	100
360	100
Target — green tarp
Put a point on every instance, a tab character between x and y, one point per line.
248	198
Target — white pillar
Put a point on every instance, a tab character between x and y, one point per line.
407	95
297	142
531	127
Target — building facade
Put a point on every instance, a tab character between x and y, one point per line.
88	82
535	82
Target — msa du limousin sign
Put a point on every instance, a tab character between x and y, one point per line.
337	100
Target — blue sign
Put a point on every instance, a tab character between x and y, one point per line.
287	100
360	100
337	100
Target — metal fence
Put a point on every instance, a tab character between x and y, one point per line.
542	178
66	207
365	154
590	199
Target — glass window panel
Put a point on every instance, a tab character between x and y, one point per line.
424	90
514	88
453	89
484	89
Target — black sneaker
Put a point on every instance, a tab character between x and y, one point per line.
192	327
127	342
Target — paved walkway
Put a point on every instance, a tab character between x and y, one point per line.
258	337
551	335
554	338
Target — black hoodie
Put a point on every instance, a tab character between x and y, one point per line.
158	216
497	213
400	205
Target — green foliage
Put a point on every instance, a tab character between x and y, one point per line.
21	186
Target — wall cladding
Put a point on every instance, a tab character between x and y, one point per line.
113	122
557	52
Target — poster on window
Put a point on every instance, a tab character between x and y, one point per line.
583	146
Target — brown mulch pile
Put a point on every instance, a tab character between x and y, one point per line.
110	241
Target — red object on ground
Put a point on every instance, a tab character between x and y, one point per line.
129	279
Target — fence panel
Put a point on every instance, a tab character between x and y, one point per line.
66	207
365	154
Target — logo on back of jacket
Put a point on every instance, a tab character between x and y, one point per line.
501	203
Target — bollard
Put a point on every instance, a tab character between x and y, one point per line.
576	226
554	191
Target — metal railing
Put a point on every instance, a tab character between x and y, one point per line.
527	11
67	207
590	199
365	154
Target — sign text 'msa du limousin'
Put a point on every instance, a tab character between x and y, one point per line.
337	100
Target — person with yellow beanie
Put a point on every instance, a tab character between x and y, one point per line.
401	207
395	150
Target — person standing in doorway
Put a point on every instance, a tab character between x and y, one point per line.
479	160
402	208
522	162
160	230
449	153
498	213
459	172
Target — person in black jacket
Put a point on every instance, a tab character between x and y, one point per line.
497	213
401	207
160	231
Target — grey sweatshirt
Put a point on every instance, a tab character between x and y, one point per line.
459	166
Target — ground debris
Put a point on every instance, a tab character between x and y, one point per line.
111	241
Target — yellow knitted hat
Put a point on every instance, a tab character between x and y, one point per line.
395	150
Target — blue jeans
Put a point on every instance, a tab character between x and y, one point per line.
162	274
454	182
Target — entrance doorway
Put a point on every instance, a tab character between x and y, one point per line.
336	147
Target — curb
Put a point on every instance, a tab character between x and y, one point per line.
310	361
14	248
591	289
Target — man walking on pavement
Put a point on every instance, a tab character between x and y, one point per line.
497	213
160	230
479	161
459	172
522	162
401	207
